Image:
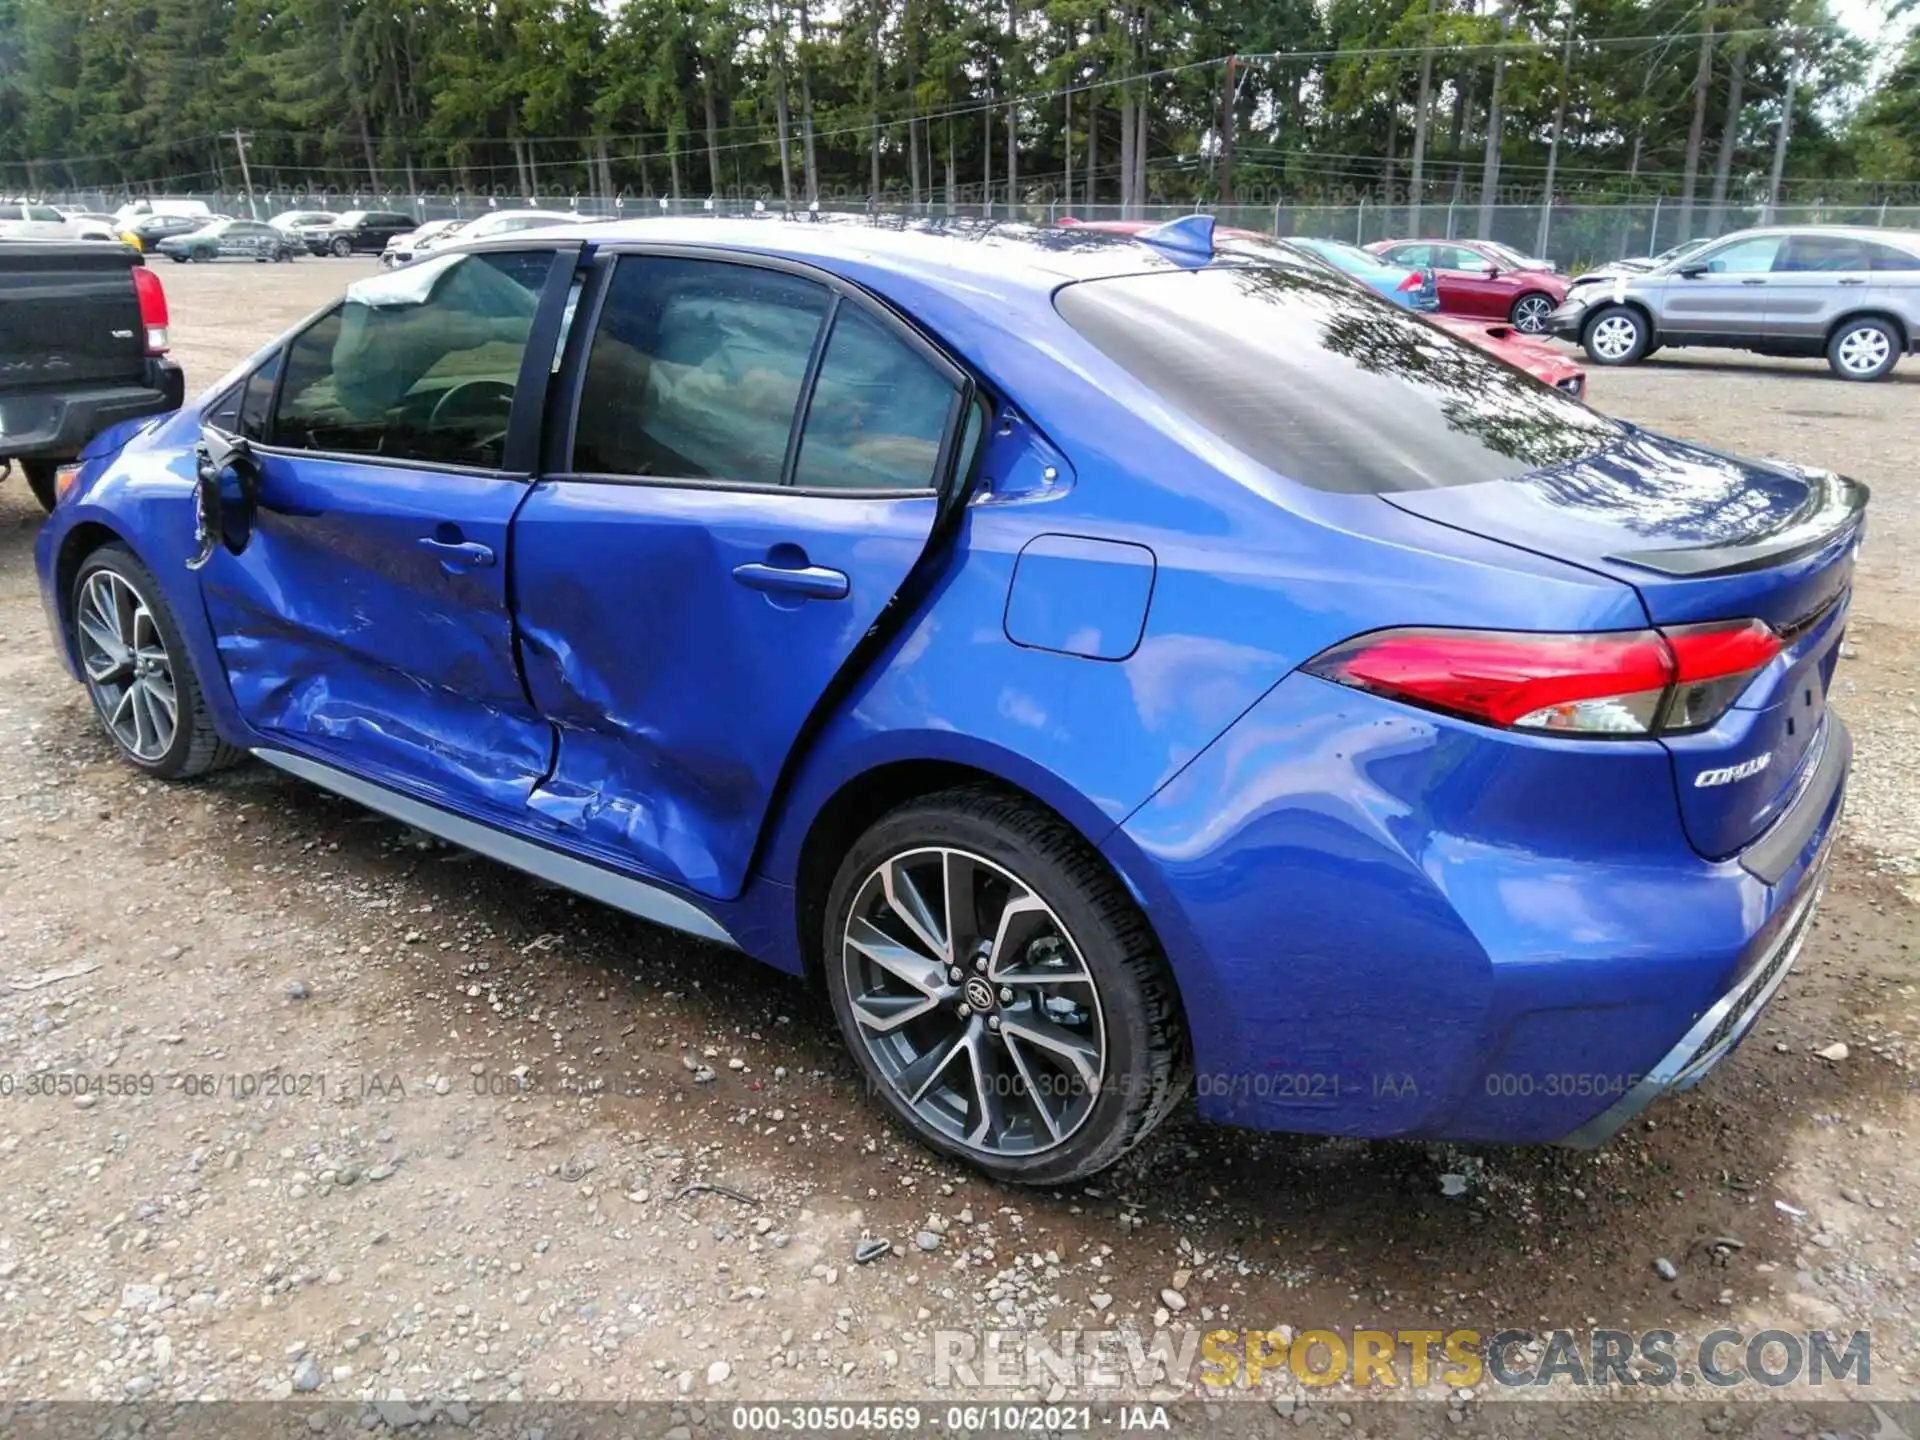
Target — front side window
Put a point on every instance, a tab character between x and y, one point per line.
1743	257
416	364
878	414
696	371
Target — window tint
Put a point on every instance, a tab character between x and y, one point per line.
417	364
1416	255
9	212
1822	252
45	214
1743	257
695	371
1321	383
1891	257
878	414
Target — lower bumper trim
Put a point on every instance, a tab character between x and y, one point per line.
1715	1033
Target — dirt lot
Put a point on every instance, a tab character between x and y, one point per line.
479	1174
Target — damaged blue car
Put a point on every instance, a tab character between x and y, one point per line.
1112	667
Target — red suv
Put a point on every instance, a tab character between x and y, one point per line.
1480	279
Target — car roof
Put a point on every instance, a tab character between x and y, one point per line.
1907	238
982	256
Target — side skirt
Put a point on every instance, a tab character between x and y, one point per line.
596	882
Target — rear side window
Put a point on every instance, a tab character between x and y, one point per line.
1891	257
878	414
1327	384
696	371
1821	252
9	212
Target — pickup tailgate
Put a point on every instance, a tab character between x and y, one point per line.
68	316
1702	537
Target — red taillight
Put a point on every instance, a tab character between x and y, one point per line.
153	308
1636	682
1414	281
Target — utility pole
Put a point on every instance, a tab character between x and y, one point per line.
240	139
1226	134
1559	121
1780	146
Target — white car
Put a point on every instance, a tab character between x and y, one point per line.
292	222
25	220
135	211
502	222
402	248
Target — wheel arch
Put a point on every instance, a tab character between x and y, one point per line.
1630	302
1871	312
862	798
75	546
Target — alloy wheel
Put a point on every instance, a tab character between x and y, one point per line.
127	666
1864	351
1530	314
1614	337
974	1002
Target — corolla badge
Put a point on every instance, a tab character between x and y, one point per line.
1727	774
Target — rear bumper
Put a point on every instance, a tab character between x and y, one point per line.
1387	923
57	424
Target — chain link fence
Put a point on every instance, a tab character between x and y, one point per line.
1574	236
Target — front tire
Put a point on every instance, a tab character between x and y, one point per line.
343	247
1863	349
39	475
1616	335
1000	990
1529	313
138	671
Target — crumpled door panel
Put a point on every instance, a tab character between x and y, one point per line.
339	629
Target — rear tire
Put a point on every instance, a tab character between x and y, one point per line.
39	477
1616	335
1061	1045
1530	311
134	657
1864	349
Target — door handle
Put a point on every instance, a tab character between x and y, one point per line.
816	582
1755	280
1852	280
458	555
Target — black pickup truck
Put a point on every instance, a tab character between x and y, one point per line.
83	336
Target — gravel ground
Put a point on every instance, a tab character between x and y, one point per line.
404	1125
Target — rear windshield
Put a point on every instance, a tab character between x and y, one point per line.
1328	384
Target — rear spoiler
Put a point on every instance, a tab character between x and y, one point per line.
1835	505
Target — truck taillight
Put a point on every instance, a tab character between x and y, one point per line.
153	308
1636	682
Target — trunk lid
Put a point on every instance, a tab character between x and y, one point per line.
1701	536
70	316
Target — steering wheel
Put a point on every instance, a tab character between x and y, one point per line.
451	405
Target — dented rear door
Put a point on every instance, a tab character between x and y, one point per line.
758	462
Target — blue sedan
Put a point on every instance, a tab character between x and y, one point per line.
1415	289
1111	665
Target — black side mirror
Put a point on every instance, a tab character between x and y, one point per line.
225	495
1694	269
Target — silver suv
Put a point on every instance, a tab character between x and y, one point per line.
1852	295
